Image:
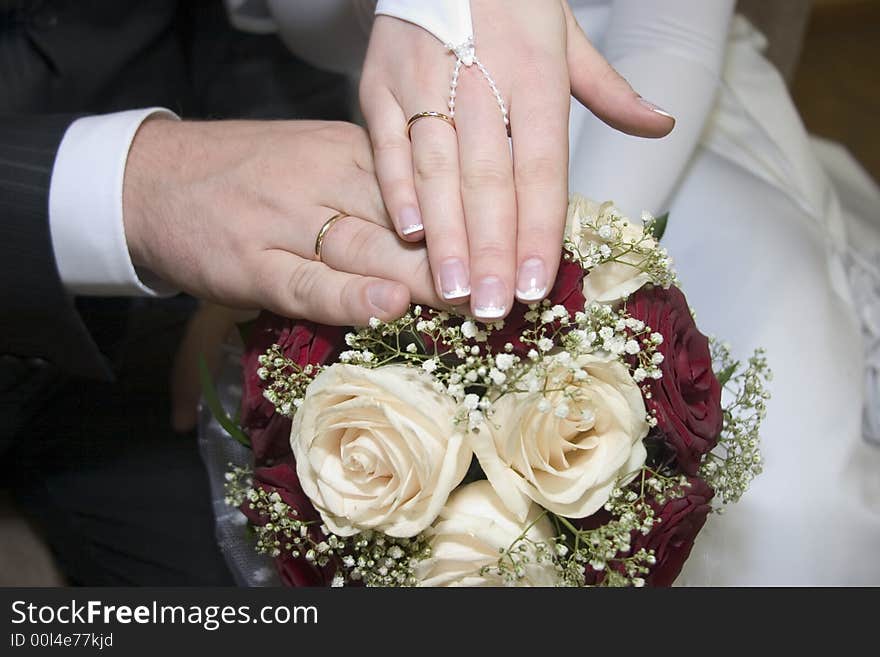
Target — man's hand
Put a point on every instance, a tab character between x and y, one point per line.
229	212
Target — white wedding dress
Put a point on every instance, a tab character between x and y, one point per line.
762	245
776	239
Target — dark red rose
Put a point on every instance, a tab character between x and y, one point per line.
281	478
567	291
671	539
304	343
271	441
687	400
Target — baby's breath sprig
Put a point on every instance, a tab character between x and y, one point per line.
237	484
458	352
371	558
423	337
285	532
609	237
515	559
286	381
615	331
380	560
471	367
606	548
736	460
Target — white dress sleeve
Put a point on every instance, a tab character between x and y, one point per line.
448	20
670	52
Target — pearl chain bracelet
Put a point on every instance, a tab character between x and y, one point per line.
465	55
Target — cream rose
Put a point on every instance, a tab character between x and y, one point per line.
376	449
610	281
472	528
566	448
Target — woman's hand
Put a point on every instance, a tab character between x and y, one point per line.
492	210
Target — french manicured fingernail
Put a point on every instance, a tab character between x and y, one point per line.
381	296
654	108
490	298
531	280
454	283
410	220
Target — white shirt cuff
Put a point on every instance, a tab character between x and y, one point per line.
85	207
448	20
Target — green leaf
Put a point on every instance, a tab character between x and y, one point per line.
659	228
209	392
727	373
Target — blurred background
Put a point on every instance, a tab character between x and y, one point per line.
833	74
828	52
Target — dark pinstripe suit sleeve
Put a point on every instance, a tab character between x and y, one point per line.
37	316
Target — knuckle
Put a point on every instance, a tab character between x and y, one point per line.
491	251
266	285
433	163
263	277
539	71
359	140
352	297
346	135
389	145
349	131
541	170
533	67
242	235
356	245
485	173
392	156
609	83
357	238
303	289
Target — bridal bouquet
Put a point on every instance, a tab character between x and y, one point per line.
581	441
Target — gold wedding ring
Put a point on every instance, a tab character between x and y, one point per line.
319	240
427	115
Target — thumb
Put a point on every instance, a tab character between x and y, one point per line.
309	289
603	91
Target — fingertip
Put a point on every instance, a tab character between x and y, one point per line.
453	280
416	236
386	300
658	122
491	299
640	122
409	223
532	280
601	89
